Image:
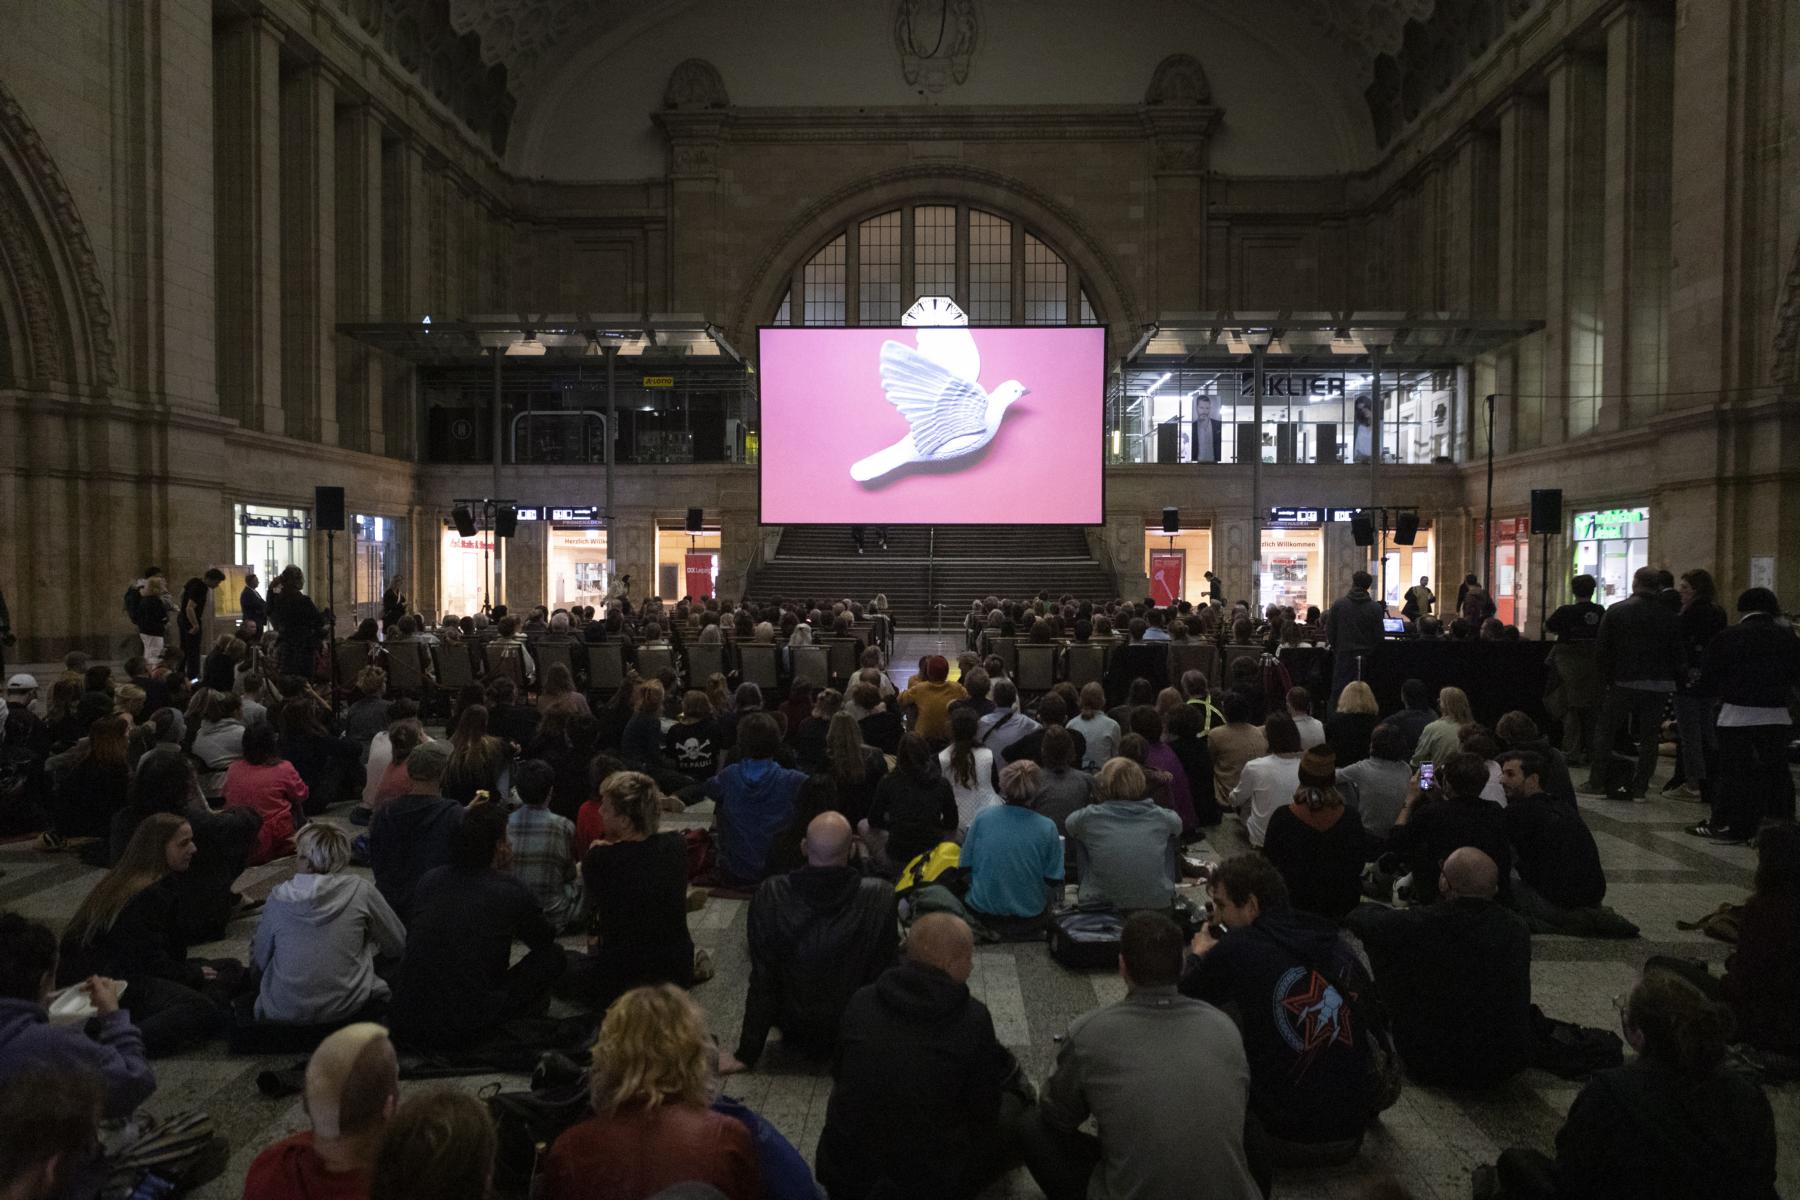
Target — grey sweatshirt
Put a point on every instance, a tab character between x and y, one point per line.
316	947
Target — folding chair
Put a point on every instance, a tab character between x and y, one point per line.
606	667
705	659
1037	668
1087	663
812	665
759	663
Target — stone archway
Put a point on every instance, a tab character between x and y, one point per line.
1787	332
1113	302
55	330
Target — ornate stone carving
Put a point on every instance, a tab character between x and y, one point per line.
441	43
936	41
1179	82
1787	330
695	84
58	276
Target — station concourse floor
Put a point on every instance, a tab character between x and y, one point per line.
1430	1141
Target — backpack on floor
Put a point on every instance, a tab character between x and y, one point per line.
1572	1051
1086	939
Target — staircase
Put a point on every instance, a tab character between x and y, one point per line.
927	565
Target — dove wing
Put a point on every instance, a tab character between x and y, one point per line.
951	347
938	405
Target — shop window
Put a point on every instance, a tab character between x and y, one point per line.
466	572
575	566
269	539
1188	582
686	562
1291	568
1611	544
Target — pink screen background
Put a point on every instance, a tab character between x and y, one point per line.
823	409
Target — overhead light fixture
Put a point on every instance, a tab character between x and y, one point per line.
636	344
1235	342
1347	345
1151	390
527	346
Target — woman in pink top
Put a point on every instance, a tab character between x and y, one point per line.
267	782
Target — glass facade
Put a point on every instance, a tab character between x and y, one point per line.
673	545
575	566
1309	416
380	558
270	539
1611	544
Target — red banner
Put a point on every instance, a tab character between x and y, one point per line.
1167	567
700	573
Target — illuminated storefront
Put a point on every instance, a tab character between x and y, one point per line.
270	539
466	571
1611	544
687	564
575	570
1176	563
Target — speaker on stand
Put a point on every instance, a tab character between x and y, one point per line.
328	514
1546	519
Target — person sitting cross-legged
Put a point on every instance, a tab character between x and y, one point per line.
1559	865
1317	842
753	800
816	935
411	834
1014	857
454	986
1284	973
1165	1078
1450	814
352	1090
544	855
1455	976
1125	842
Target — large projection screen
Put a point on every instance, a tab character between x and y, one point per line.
936	425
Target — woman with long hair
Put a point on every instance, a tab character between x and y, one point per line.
969	768
478	759
653	1127
1351	723
1148	724
331	766
268	783
205	902
856	768
1443	737
91	791
1270	781
559	693
914	807
126	929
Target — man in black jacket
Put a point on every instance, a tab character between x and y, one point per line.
918	1080
1353	628
1752	667
1415	716
1455	977
1640	656
816	936
1556	855
1435	822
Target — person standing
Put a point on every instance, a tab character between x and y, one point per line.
1701	620
6	633
1752	667
1577	627
192	617
251	604
1420	600
1640	656
393	604
1353	627
298	623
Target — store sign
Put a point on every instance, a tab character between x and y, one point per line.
1341	516
588	513
1293	387
529	514
659	381
254	521
1167	567
698	569
1295	516
1609	523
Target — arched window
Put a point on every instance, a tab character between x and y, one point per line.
998	271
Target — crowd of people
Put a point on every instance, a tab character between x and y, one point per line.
1377	874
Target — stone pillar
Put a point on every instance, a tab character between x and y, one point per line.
693	209
404	283
308	258
1178	139
1706	146
1520	274
247	220
359	275
1576	224
1640	93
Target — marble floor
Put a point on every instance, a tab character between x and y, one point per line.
1430	1141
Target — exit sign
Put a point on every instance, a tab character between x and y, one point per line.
659	381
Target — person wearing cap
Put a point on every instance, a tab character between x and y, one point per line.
927	699
352	1090
1317	842
24	737
411	834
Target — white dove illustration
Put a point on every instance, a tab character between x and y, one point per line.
937	389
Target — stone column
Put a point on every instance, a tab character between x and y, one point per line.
693	209
247	220
1520	273
1576	223
1178	139
359	271
308	258
1640	94
404	283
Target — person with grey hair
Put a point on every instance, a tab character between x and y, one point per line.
411	834
320	935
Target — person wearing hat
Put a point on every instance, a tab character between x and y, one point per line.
1318	843
23	731
352	1090
411	834
927	700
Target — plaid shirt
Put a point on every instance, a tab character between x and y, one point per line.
543	859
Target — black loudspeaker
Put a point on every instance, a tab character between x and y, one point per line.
506	520
693	520
1362	529
465	520
1406	528
1546	510
1171	520
328	508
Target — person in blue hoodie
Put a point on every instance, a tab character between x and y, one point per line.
753	800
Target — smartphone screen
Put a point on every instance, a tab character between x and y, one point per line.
1427	773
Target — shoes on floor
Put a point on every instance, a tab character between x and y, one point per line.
696	898
51	842
703	965
1705	830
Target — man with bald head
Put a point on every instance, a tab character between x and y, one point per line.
919	1079
352	1088
1456	976
816	935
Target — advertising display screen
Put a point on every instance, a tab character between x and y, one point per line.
935	425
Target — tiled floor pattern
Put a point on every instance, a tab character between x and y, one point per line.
1430	1141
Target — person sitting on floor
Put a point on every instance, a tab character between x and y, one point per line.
1553	849
320	935
352	1090
1310	728
913	810
816	935
1283	973
1052	710
1517	732
1005	725
972	769
1674	1122
126	930
653	1127
1455	977
919	1078
1100	733
1166	1080
440	1145
544	855
1233	745
1443	737
411	834
1762	975
268	784
1269	782
1450	814
1317	842
1014	856
454	986
753	799
634	881
1126	842
1376	786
